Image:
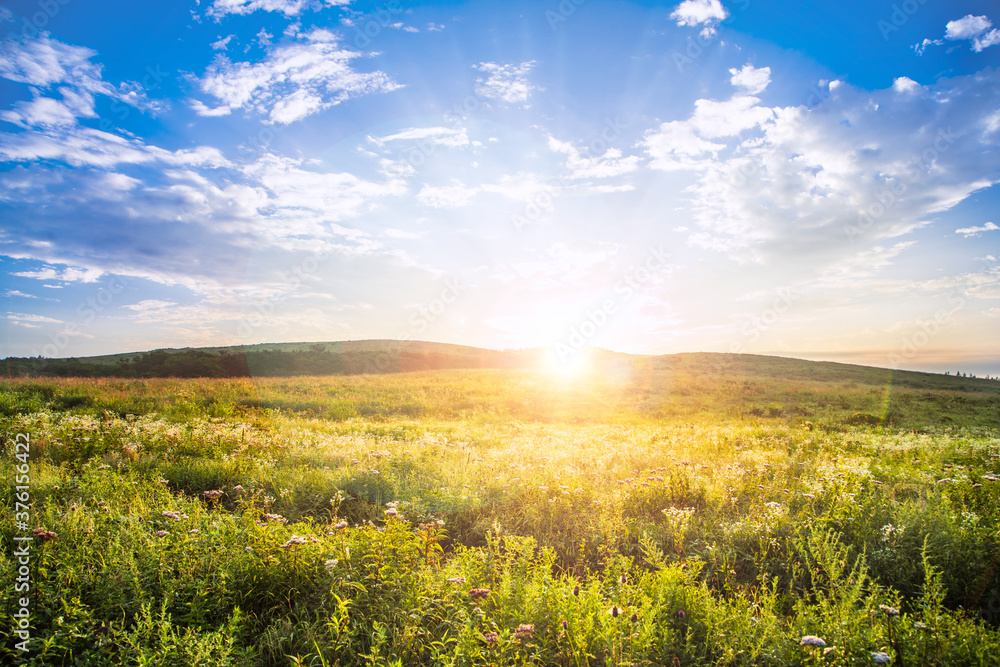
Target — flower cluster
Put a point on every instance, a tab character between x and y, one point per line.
524	631
296	540
479	593
889	611
44	535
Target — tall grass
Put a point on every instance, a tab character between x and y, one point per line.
655	522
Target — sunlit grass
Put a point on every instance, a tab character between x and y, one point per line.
350	517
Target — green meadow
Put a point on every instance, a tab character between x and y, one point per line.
703	512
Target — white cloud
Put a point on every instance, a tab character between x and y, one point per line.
905	84
627	187
610	163
751	79
975	29
686	144
13	292
442	136
675	145
714	120
967	27
69	274
30	321
49	67
221	8
294	81
976	231
506	83
305	201
80	146
922	46
812	185
696	12
222	43
446	196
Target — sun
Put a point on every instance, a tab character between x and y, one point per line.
567	364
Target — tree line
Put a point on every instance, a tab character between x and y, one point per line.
314	360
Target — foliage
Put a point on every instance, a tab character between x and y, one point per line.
647	522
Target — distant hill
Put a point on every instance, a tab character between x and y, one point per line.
391	356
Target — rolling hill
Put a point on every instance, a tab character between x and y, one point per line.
392	356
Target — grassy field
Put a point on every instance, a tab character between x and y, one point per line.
656	514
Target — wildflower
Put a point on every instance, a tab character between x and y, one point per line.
490	637
829	649
330	564
212	494
340	525
391	511
917	625
881	657
238	488
294	541
479	593
615	611
176	516
680	613
274	517
809	496
44	535
889	611
524	631
811	640
248	549
161	533
634	617
457	580
564	624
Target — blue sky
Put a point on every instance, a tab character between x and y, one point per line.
807	179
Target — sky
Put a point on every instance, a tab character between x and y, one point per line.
814	180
